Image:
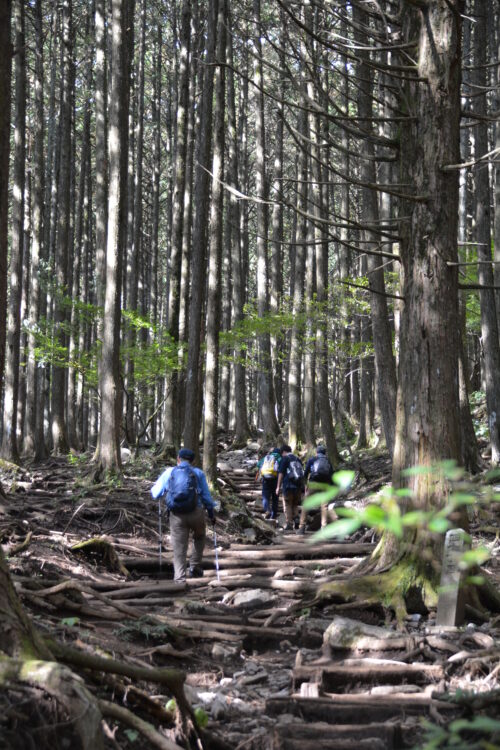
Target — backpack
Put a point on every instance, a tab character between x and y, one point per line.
182	490
295	472
269	469
321	470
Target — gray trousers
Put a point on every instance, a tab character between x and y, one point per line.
180	526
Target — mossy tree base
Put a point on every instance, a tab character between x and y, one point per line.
405	587
402	588
55	703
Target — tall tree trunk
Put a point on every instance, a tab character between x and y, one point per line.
191	434
58	384
276	296
295	428
428	414
496	168
171	427
242	430
385	367
318	129
215	259
9	436
5	83
489	321
135	246
266	389
32	435
109	451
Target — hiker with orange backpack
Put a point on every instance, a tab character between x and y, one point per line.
267	470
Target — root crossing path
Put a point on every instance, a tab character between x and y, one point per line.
270	662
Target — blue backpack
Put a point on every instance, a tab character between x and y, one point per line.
182	491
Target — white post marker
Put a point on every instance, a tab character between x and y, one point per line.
451	606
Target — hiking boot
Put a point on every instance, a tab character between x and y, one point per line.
267	516
296	522
289	527
301	530
195	571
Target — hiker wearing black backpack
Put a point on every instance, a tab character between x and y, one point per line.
187	498
291	480
318	469
267	470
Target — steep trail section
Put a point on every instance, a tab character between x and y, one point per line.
270	663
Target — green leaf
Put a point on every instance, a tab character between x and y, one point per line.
201	717
373	515
70	622
474	557
462	498
131	734
414	471
344	478
439	525
478	724
319	498
475	580
414	518
337	530
394	525
404	492
171	705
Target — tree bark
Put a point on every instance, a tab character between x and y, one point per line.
109	459
59	371
489	322
5	95
428	414
191	435
385	368
171	427
215	259
270	425
9	435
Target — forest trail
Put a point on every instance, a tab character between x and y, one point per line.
272	667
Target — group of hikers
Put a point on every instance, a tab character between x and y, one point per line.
188	497
282	471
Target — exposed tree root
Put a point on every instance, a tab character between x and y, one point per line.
124	716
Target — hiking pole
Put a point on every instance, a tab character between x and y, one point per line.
216	554
159	524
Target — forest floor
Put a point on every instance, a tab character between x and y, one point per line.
270	665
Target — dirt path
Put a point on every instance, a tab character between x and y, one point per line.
270	666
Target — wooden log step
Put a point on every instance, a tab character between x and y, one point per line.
382	736
254	582
151	564
338	677
296	550
356	708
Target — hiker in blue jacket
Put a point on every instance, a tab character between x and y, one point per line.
187	498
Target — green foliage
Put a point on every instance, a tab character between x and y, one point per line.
478	733
70	622
131	734
200	717
385	513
